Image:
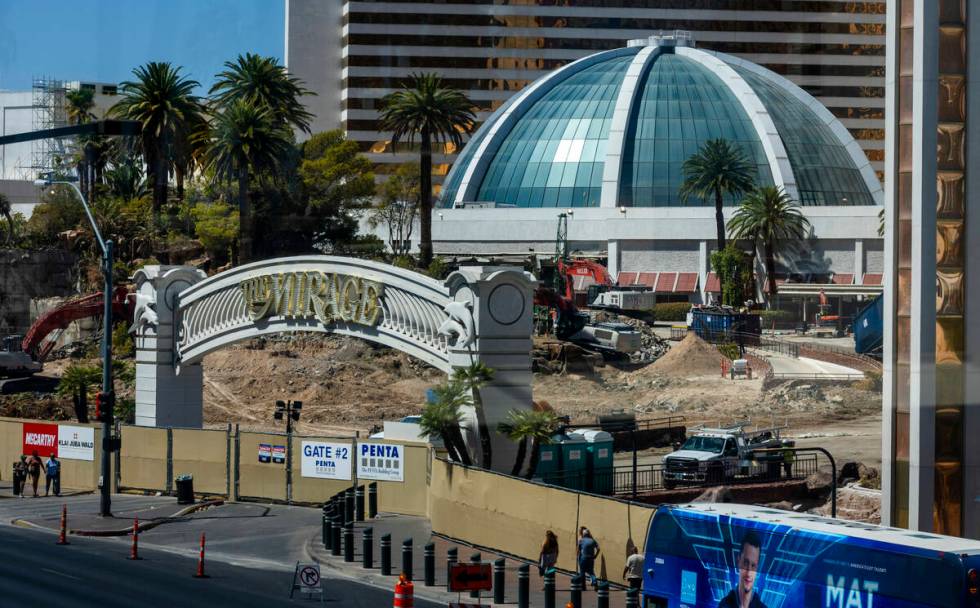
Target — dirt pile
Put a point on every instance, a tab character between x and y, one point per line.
691	357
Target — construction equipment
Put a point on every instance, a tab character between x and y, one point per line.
14	362
868	336
716	455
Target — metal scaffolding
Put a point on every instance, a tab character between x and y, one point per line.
49	111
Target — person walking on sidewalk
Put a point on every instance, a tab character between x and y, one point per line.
633	572
52	476
548	556
20	476
34	464
587	552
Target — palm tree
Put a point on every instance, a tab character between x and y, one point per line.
75	383
5	211
78	108
245	141
431	110
475	377
442	419
164	103
769	215
536	426
718	168
262	82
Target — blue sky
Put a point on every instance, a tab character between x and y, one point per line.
103	40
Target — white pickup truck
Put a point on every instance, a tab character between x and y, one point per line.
716	455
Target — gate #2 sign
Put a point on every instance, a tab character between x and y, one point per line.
326	460
381	461
40	437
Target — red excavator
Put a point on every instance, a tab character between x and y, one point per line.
34	348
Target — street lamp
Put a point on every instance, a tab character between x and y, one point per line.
290	411
106	400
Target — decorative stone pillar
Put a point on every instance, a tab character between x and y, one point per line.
164	397
501	302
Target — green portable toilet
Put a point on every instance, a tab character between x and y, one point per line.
549	462
599	449
575	461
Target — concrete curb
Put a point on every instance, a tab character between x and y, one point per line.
62	495
144	526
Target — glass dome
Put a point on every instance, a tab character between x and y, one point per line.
614	129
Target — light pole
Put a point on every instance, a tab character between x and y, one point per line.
290	410
106	400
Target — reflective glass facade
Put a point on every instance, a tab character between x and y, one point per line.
825	172
681	105
554	154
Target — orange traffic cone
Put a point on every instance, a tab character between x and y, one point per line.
200	561
134	552
404	593
63	536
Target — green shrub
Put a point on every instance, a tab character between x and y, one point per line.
438	269
777	317
671	311
729	350
404	261
122	342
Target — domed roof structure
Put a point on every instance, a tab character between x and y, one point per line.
613	130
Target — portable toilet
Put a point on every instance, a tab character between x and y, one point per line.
575	461
599	451
549	462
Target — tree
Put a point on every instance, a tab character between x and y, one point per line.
734	273
718	168
78	108
5	210
245	141
771	216
442	419
262	82
475	377
162	101
398	208
428	108
536	427
75	383
216	226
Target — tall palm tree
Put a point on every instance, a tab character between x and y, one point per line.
163	101
5	211
442	419
78	107
475	377
718	168
428	108
769	215
261	81
536	427
245	141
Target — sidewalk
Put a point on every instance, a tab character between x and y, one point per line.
402	527
7	490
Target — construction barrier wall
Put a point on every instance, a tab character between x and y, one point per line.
144	451
83	474
259	479
311	489
206	455
511	515
411	496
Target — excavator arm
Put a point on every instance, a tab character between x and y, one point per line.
61	316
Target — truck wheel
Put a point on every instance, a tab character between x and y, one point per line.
670	484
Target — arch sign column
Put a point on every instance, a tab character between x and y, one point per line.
480	313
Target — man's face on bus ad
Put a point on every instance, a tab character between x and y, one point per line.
748	564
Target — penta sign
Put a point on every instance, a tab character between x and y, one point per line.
330	297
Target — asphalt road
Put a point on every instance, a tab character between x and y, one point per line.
95	572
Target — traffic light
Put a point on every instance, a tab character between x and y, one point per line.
104	404
297	406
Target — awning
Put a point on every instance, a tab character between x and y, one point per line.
843	278
660	282
872	278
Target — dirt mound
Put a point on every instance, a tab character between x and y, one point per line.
691	357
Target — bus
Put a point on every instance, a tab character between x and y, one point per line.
727	555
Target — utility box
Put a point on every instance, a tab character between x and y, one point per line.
599	450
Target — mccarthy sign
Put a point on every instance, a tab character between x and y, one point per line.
330	297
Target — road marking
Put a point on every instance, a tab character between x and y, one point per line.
60	574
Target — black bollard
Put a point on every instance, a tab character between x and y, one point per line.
452	556
632	598
327	531
349	506
498	580
549	589
602	595
523	586
338	529
372	500
407	558
359	502
475	558
386	554
349	543
340	506
575	593
429	564
367	548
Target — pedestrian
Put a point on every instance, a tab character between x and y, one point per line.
586	553
789	456
52	475
548	556
34	464
20	476
633	572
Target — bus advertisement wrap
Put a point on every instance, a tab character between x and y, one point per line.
696	558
